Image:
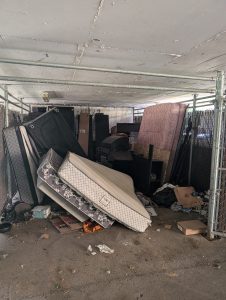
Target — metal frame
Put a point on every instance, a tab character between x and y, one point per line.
97	69
192	139
219	105
7	102
6	124
199	99
99	84
5	98
15	98
47	104
216	153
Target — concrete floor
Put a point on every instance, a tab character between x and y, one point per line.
161	264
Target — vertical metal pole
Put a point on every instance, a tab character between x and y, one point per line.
218	114
192	139
22	110
6	121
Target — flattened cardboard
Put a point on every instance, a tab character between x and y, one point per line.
191	227
72	222
60	225
185	198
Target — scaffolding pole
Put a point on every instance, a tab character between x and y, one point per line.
6	124
192	139
218	115
198	99
6	98
100	84
14	104
22	110
97	69
9	94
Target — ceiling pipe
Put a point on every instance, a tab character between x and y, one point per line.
98	84
84	68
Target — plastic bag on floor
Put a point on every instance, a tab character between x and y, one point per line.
165	196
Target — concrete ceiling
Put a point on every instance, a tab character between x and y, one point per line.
177	36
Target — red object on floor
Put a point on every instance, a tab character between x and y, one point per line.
90	227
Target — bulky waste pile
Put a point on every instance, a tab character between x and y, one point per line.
55	179
56	175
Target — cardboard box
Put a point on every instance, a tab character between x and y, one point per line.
185	198
191	227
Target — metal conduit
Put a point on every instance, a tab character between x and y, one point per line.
98	84
85	68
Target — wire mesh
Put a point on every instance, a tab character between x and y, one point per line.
220	211
202	150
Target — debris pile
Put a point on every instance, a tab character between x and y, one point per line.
58	178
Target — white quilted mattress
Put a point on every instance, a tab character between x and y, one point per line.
108	190
51	185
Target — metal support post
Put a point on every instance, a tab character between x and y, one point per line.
15	98
22	109
218	115
6	117
192	139
6	124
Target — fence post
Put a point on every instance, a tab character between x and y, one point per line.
192	139
214	193
6	117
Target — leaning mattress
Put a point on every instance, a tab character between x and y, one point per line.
108	190
19	162
49	183
33	160
51	130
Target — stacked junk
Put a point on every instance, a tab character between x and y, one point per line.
82	177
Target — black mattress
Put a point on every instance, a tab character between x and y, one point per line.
68	115
19	164
128	127
101	127
50	130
